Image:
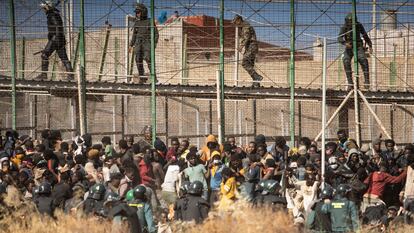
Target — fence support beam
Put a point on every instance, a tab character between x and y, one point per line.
104	50
222	121
153	78
13	61
81	74
356	76
292	73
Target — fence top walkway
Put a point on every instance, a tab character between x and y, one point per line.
70	89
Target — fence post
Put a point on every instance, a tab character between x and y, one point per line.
13	61
292	73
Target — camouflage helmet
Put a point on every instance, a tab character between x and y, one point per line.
348	18
130	196
236	18
47	5
139	7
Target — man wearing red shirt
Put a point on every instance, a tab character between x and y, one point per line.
376	182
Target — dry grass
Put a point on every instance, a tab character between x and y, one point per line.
242	219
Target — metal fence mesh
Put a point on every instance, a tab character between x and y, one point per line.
187	53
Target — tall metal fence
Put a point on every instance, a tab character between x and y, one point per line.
188	53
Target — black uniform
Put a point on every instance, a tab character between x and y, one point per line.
123	210
93	207
193	208
45	205
275	202
56	42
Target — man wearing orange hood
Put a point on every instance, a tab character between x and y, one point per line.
211	145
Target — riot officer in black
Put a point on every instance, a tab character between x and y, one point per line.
181	200
194	207
43	200
56	41
117	210
270	196
93	204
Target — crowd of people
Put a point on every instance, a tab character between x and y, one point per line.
149	185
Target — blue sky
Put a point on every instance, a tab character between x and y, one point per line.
271	20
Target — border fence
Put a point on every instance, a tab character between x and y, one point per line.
198	48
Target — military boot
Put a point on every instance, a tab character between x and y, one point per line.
256	80
68	67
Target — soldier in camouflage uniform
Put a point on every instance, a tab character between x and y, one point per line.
346	38
248	42
141	39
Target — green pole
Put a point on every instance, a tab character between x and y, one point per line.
104	51
354	40
153	97
222	115
356	80
13	61
75	57
82	68
22	57
292	73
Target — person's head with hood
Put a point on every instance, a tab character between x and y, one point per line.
4	164
333	163
353	155
216	158
211	142
376	144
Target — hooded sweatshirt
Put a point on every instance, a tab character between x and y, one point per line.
206	152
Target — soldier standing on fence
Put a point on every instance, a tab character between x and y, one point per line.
141	40
346	38
56	41
248	42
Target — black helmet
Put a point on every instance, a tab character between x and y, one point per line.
139	7
327	192
261	185
271	186
196	188
139	192
185	185
97	192
343	190
44	188
111	197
